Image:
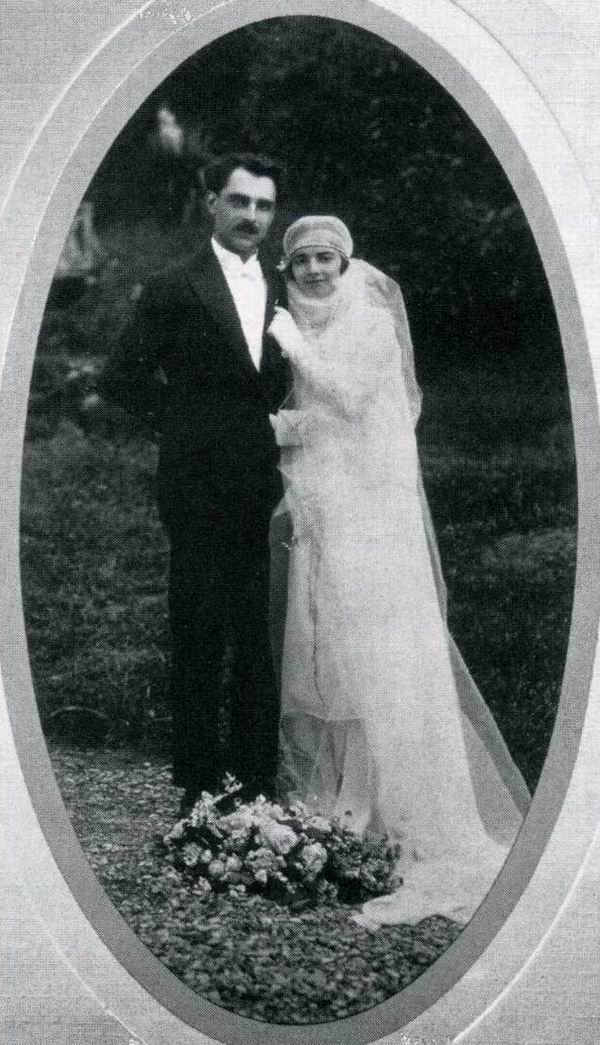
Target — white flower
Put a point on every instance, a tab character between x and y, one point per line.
280	837
191	854
176	833
231	785
237	840
237	890
263	857
241	819
277	812
313	858
202	886
261	876
216	869
318	825
233	863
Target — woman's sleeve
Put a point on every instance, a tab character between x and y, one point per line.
288	427
302	355
354	378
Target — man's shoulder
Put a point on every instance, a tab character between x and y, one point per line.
174	282
177	273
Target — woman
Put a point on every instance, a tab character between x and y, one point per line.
380	718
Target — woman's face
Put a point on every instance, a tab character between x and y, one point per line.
316	269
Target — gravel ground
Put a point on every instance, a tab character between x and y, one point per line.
246	954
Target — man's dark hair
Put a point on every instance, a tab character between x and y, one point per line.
218	171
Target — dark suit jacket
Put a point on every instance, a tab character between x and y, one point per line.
184	367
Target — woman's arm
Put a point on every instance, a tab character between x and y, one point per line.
304	359
369	362
287	426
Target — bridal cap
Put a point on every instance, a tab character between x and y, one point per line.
317	231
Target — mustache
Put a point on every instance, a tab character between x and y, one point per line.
246	226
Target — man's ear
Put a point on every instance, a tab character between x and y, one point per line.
210	199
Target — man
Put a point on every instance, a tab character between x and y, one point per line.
196	363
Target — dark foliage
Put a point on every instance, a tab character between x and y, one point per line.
367	134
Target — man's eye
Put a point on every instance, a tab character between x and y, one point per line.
238	201
265	206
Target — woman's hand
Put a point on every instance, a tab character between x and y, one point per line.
286	333
287	426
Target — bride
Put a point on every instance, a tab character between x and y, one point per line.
380	718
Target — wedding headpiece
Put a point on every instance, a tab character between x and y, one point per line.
317	230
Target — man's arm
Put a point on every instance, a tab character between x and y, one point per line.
132	376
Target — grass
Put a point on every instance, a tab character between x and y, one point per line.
505	522
93	567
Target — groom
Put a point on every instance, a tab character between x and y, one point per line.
196	363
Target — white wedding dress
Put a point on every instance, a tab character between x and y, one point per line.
380	718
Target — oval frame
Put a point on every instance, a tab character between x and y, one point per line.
92	110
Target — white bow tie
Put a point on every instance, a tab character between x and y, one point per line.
250	270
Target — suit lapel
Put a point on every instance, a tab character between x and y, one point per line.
271	281
209	283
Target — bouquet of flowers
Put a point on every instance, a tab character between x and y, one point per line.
284	852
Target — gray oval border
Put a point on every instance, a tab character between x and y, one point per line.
559	763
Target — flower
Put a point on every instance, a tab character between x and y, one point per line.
176	833
202	886
287	852
191	854
237	890
242	819
216	869
237	841
313	858
231	786
278	812
280	837
318	825
263	857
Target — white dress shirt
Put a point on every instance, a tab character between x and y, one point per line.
249	291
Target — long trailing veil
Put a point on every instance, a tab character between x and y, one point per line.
380	716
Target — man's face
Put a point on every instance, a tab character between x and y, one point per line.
243	211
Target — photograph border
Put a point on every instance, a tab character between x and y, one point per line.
93	107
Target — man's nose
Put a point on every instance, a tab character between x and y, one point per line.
313	265
251	210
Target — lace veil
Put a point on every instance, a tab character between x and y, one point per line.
501	795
